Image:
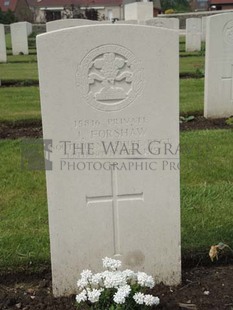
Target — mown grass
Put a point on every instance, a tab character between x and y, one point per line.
206	189
18	71
24	224
21	58
19	103
206	199
191	96
192	64
8	41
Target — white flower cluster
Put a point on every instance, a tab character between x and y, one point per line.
92	285
111	264
145	280
146	299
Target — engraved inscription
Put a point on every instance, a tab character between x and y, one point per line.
114	198
228	32
109	78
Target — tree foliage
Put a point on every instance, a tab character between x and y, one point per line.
177	5
91	14
7	17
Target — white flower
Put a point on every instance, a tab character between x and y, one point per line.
145	280
81	297
94	295
119	298
139	298
121	294
129	274
150	300
82	283
114	280
97	279
86	274
111	264
126	289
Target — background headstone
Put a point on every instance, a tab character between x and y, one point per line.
67	23
110	89
127	22
219	66
203	24
29	28
169	23
140	11
19	38
3	56
193	34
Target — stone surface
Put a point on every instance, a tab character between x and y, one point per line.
219	66
19	38
203	25
122	202
29	28
67	23
169	23
140	11
3	57
127	22
193	34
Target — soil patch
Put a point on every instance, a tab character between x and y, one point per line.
27	129
201	289
33	129
200	123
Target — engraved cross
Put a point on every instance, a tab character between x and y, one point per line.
115	198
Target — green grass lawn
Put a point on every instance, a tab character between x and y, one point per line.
19	103
21	58
206	189
18	71
23	212
191	96
206	199
8	41
192	64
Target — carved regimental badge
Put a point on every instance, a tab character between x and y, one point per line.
228	32
110	78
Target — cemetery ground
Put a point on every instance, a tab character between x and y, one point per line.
206	196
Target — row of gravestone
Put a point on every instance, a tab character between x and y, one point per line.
195	32
19	39
110	112
218	72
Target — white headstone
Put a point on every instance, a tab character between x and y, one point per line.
219	66
3	57
193	34
19	38
140	11
29	28
67	23
169	23
127	22
203	24
112	91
